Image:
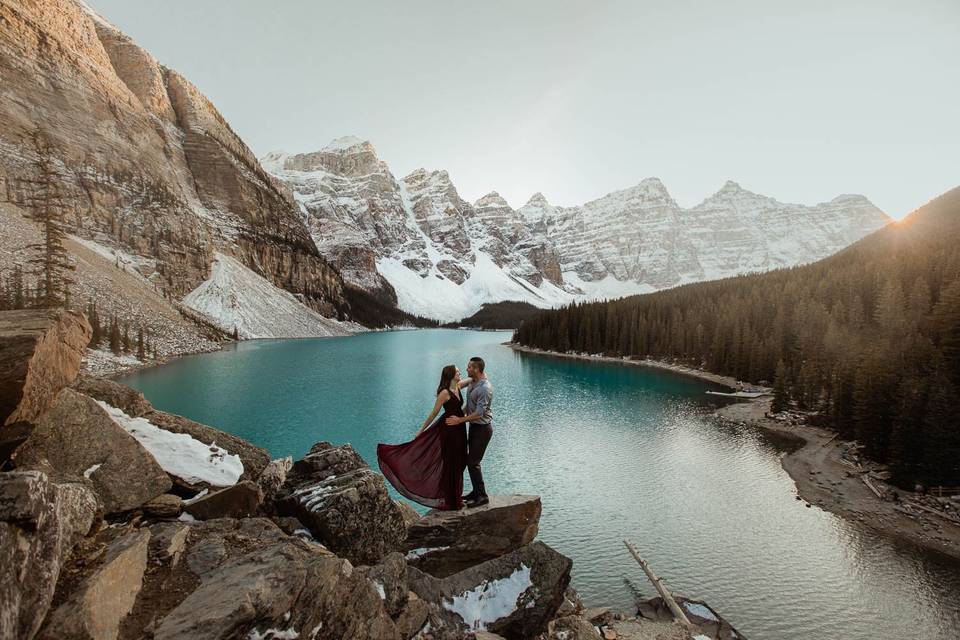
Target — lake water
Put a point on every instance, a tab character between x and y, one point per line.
615	452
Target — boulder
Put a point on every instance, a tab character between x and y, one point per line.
40	353
707	621
241	500
572	603
273	476
167	541
413	617
96	607
11	437
600	616
39	524
390	579
165	505
572	628
344	503
265	584
132	402
514	595
76	440
442	543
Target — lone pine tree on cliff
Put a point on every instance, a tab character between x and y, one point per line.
51	262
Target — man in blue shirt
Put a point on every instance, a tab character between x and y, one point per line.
480	417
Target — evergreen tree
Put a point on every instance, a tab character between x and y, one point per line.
115	338
141	352
781	393
52	264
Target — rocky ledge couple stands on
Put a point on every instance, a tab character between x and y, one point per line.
429	468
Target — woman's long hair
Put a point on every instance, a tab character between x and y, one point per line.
446	377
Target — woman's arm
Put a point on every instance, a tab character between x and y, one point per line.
441	398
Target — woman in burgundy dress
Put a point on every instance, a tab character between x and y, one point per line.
429	468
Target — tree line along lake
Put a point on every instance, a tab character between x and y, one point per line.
614	451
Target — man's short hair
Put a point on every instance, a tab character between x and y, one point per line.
478	361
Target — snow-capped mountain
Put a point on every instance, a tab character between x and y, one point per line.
416	241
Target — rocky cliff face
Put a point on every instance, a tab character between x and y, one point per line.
444	257
143	158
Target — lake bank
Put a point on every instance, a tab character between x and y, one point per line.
814	463
725	381
824	478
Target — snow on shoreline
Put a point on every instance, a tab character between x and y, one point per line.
236	298
179	454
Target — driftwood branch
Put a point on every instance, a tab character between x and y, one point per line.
867	482
675	609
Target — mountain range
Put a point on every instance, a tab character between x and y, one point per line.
415	240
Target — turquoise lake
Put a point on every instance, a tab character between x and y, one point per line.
615	452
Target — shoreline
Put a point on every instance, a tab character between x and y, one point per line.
725	381
815	466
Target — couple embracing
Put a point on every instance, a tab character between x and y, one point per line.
429	468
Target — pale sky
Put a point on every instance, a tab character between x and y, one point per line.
801	101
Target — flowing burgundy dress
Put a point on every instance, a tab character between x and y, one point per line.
429	468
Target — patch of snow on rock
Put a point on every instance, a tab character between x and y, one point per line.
274	634
415	554
92	470
179	454
234	297
490	600
699	610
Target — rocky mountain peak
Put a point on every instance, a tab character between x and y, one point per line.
537	200
851	199
349	144
347	156
491	200
733	191
652	188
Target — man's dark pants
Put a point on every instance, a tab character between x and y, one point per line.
477	441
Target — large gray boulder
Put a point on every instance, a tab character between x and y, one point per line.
76	440
515	595
132	402
241	500
39	524
135	405
344	504
99	603
246	578
40	353
445	542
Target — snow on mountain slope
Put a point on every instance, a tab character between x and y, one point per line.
414	239
448	301
439	256
234	297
